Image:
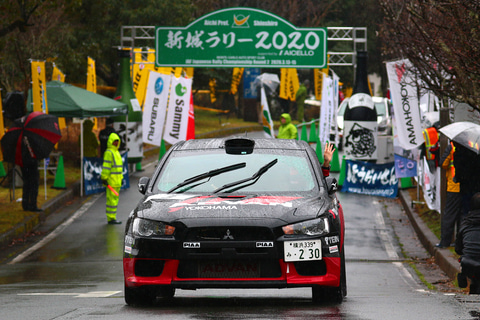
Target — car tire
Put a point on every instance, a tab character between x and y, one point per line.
139	296
336	294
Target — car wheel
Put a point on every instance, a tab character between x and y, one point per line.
332	295
139	296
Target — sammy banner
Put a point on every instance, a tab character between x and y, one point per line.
267	121
178	107
92	170
327	111
155	107
405	104
371	179
431	185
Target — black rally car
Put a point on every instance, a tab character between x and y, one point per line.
235	213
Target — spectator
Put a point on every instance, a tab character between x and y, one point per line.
300	97
467	245
31	180
452	215
90	141
287	129
467	173
104	134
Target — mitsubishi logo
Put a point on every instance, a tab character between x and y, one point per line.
228	236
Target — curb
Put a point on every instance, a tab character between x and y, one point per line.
443	257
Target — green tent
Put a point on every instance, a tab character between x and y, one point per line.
66	100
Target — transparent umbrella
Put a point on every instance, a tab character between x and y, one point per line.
270	82
465	133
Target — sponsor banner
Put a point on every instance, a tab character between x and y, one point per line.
327	111
178	106
405	104
236	77
57	74
289	83
371	179
92	170
241	37
91	75
39	87
266	116
430	182
155	107
360	139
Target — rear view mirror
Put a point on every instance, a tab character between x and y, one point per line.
332	185
142	184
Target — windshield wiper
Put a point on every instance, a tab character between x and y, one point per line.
206	175
253	178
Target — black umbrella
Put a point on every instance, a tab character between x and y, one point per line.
33	135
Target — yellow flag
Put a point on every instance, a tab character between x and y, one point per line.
212	83
57	74
283	90
293	83
2	128
236	77
178	72
91	76
39	86
189	72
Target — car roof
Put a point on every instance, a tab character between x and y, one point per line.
219	143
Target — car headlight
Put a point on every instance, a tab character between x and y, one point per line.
316	227
147	228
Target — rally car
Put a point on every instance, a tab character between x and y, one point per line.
235	213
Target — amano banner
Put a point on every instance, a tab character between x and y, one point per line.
241	37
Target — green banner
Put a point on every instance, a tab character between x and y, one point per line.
241	37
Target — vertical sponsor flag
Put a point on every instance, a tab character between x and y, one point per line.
58	75
155	107
405	104
266	116
178	107
236	77
327	110
189	72
212	83
39	86
317	80
289	83
191	120
283	89
144	62
91	75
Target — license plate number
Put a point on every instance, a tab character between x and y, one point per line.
302	250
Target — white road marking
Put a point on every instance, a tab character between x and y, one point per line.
57	231
93	294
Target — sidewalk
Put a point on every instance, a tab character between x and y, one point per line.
443	257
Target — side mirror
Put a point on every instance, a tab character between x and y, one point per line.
142	184
332	185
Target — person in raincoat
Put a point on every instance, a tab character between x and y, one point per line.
90	141
112	175
287	129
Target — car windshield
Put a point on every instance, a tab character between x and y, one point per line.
380	107
291	172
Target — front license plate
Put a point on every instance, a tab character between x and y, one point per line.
228	269
305	250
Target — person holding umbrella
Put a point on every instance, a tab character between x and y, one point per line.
112	175
28	140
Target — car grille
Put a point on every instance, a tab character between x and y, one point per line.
229	233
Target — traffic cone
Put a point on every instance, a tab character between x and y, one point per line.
406	183
138	166
59	182
2	170
303	135
163	150
343	172
313	137
319	151
335	164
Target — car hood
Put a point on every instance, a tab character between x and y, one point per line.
198	210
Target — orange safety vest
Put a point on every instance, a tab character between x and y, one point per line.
430	135
452	168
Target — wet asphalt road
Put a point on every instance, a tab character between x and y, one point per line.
76	273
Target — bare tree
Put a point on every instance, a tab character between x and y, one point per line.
442	41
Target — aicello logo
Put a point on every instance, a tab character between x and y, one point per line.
159	86
180	90
240	21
